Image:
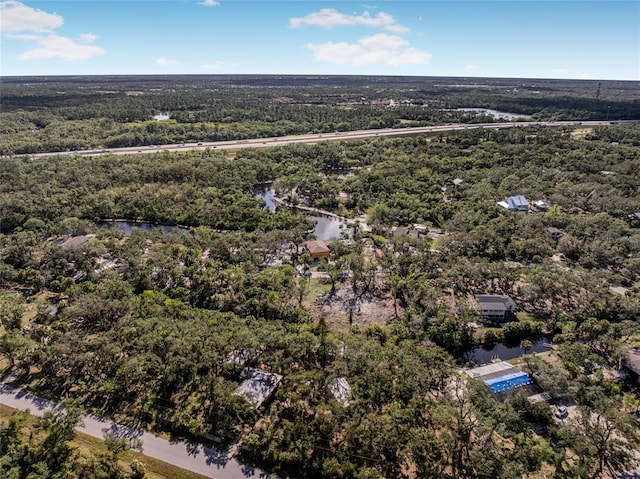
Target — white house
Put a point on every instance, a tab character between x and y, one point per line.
515	203
493	306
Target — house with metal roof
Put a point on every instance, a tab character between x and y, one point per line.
515	203
493	306
258	386
500	377
341	391
74	242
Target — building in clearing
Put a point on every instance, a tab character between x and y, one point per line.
515	203
74	242
318	249
411	231
258	387
631	362
493	306
458	181
553	232
341	391
500	377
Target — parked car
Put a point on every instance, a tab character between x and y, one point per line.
561	412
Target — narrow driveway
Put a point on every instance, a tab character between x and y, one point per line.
192	457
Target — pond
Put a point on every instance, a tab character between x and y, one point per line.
500	115
503	352
128	227
326	227
267	196
329	228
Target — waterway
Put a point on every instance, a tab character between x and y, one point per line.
128	227
501	115
503	352
326	227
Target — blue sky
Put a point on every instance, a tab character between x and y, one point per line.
527	39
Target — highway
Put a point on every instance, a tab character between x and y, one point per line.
192	457
319	137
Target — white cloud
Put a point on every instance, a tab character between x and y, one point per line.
87	37
560	70
41	26
586	76
165	61
330	18
381	48
18	17
470	67
209	3
213	66
23	36
55	46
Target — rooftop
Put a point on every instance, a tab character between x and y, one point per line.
315	247
341	390
74	241
500	377
516	202
258	387
495	301
632	360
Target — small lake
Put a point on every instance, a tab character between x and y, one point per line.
503	352
501	115
327	228
128	227
267	196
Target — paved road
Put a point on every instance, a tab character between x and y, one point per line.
316	138
193	457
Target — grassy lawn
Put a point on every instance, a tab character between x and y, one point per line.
318	287
88	445
524	316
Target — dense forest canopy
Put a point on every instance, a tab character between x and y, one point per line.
146	326
41	114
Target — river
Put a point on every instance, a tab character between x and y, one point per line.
503	352
326	228
128	227
501	115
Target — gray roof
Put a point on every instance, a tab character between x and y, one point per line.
258	387
495	306
517	202
491	299
632	360
492	370
341	390
74	241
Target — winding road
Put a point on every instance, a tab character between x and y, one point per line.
192	457
319	137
